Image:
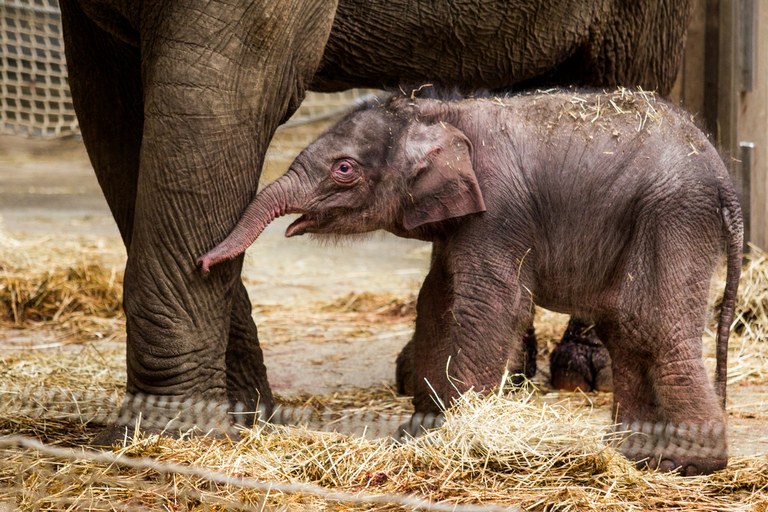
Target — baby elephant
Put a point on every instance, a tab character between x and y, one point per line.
611	207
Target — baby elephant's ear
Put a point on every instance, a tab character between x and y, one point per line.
441	182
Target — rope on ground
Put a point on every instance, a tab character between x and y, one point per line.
145	463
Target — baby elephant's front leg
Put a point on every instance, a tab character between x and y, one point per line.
404	365
470	326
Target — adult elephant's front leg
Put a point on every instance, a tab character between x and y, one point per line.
244	359
214	92
178	323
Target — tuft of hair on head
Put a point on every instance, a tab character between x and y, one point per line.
441	92
371	101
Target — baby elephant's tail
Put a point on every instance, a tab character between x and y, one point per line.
733	225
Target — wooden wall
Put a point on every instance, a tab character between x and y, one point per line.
724	81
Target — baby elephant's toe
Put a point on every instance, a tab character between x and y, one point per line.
686	466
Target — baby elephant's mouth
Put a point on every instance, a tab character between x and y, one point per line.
304	224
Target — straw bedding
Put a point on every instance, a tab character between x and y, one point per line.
506	449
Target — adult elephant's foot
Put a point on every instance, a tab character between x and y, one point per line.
418	424
688	449
192	351
174	417
580	361
404	373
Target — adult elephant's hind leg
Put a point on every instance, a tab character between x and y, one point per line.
246	371
105	81
580	361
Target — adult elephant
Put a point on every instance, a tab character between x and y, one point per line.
178	100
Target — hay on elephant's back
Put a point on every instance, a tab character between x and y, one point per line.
636	110
640	104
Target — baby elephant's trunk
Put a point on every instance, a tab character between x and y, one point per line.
266	206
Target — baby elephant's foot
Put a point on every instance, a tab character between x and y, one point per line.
418	424
688	449
580	361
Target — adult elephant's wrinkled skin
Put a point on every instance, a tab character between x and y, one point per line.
177	102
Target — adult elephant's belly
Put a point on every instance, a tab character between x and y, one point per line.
384	44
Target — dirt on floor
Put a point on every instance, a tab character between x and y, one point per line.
331	317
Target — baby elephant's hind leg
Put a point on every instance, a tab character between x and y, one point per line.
661	391
692	431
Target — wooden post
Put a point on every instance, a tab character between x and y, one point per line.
753	117
735	99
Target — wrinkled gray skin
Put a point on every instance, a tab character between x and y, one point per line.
505	191
177	101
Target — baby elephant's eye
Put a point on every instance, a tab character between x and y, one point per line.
344	172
